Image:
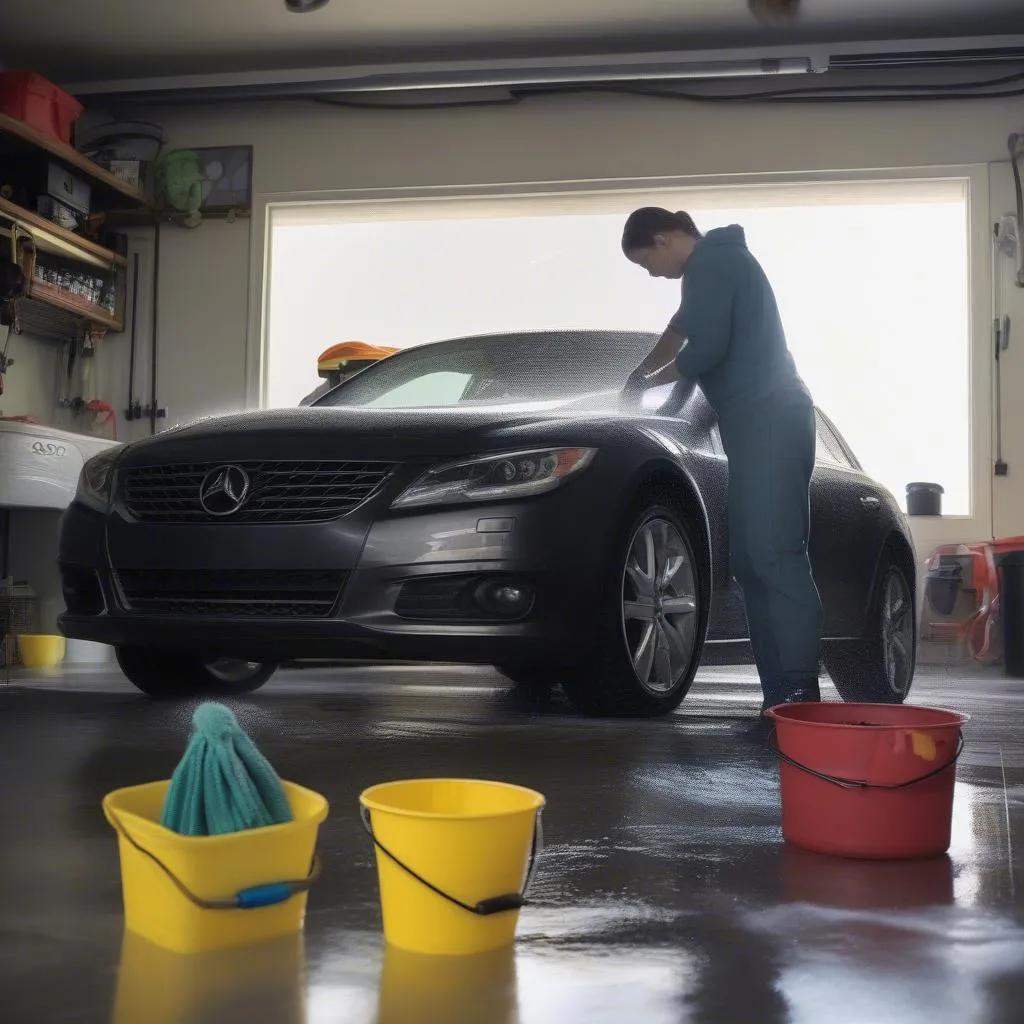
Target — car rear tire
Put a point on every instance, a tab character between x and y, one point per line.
879	667
651	621
164	674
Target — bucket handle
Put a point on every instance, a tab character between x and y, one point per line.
253	898
863	783
486	907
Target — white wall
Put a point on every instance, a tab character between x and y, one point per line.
311	149
1008	491
30	386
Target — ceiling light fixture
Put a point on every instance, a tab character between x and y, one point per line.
305	6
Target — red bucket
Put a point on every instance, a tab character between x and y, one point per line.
872	781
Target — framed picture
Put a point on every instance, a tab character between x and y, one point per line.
227	179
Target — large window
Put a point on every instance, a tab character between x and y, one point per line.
871	277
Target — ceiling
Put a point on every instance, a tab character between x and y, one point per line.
94	40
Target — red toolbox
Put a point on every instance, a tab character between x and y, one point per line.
29	97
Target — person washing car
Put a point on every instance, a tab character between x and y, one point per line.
727	337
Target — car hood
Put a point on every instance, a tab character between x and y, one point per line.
376	434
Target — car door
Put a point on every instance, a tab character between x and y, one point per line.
844	541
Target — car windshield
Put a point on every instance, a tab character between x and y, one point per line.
531	369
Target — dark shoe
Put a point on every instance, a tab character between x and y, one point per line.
806	692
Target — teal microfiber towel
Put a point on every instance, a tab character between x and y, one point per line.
222	783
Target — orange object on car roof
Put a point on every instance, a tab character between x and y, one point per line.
352	351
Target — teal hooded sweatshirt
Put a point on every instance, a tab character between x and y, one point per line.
734	346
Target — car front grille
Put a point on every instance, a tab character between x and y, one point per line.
279	492
246	594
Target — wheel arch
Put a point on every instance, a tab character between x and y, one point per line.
895	548
663	476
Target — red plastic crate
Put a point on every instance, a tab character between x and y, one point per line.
29	97
969	615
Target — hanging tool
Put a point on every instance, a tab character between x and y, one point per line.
1014	144
13	283
134	410
1005	244
1002	343
153	410
6	362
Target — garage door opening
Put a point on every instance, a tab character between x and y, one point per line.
872	279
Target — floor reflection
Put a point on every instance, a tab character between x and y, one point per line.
448	990
665	896
265	982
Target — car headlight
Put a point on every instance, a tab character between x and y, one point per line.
496	477
96	482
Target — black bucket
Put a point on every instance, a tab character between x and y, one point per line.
1011	610
924	499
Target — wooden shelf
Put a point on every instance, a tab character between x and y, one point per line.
151	216
33	138
54	238
43	292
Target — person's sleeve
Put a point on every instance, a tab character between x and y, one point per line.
704	320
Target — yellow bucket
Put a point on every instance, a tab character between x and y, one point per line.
455	859
42	650
193	894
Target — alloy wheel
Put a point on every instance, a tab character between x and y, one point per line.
659	605
897	633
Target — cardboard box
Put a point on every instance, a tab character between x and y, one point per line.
69	189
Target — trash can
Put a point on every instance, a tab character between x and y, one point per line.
1011	605
924	499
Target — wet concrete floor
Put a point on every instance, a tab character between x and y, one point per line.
665	894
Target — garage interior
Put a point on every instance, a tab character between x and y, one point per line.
404	173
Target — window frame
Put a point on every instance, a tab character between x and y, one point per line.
539	197
829	437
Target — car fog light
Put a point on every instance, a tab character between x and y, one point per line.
504	597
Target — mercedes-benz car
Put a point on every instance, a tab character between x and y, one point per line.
482	500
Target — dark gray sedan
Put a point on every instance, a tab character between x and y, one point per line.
482	500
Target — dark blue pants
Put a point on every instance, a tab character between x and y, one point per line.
770	444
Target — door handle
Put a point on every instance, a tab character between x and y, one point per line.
870	502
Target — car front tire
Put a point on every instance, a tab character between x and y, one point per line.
164	674
651	621
879	667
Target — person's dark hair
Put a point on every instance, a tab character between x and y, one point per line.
643	224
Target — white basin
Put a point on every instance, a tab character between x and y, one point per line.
40	466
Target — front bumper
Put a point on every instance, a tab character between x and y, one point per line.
378	562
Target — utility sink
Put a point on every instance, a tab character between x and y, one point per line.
40	465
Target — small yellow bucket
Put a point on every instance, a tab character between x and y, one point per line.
455	860
193	894
41	650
